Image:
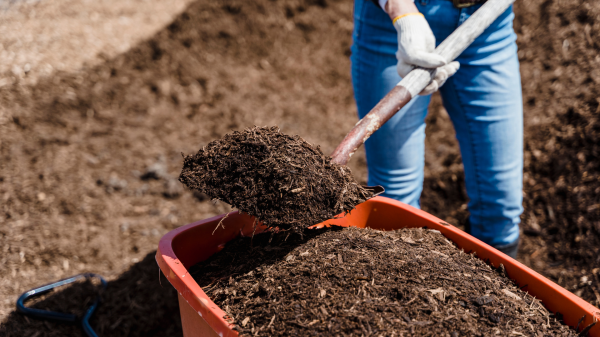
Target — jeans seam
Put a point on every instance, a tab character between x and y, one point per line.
358	35
461	20
471	145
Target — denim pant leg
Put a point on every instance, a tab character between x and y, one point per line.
484	101
395	153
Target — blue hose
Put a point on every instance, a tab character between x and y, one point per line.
59	316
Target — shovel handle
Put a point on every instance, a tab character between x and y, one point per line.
413	83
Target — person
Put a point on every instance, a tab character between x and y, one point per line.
481	92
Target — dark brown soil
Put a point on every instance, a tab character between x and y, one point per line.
561	85
361	282
75	146
282	180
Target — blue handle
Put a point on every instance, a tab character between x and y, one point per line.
59	316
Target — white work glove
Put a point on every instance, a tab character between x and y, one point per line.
416	44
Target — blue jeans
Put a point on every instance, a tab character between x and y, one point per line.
483	100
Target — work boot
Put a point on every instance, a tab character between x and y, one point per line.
508	249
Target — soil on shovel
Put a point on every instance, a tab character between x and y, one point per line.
282	180
362	282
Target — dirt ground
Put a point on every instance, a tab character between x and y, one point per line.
90	151
38	38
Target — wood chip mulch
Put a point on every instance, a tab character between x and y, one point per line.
362	282
282	180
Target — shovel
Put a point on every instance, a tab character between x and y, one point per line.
413	83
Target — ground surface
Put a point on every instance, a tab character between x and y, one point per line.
361	282
90	151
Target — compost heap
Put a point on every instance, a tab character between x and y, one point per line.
282	180
366	282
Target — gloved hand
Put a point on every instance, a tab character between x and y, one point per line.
416	44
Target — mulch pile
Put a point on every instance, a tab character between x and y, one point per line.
560	66
72	146
282	180
366	282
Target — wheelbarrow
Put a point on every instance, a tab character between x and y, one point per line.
183	247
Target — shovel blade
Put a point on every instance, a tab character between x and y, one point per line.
376	190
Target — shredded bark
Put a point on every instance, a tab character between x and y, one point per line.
282	180
362	282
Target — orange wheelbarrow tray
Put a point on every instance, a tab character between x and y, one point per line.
185	246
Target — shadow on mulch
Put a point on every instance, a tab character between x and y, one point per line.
135	304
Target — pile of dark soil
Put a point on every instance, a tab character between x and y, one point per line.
560	65
366	282
224	65
282	180
88	158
